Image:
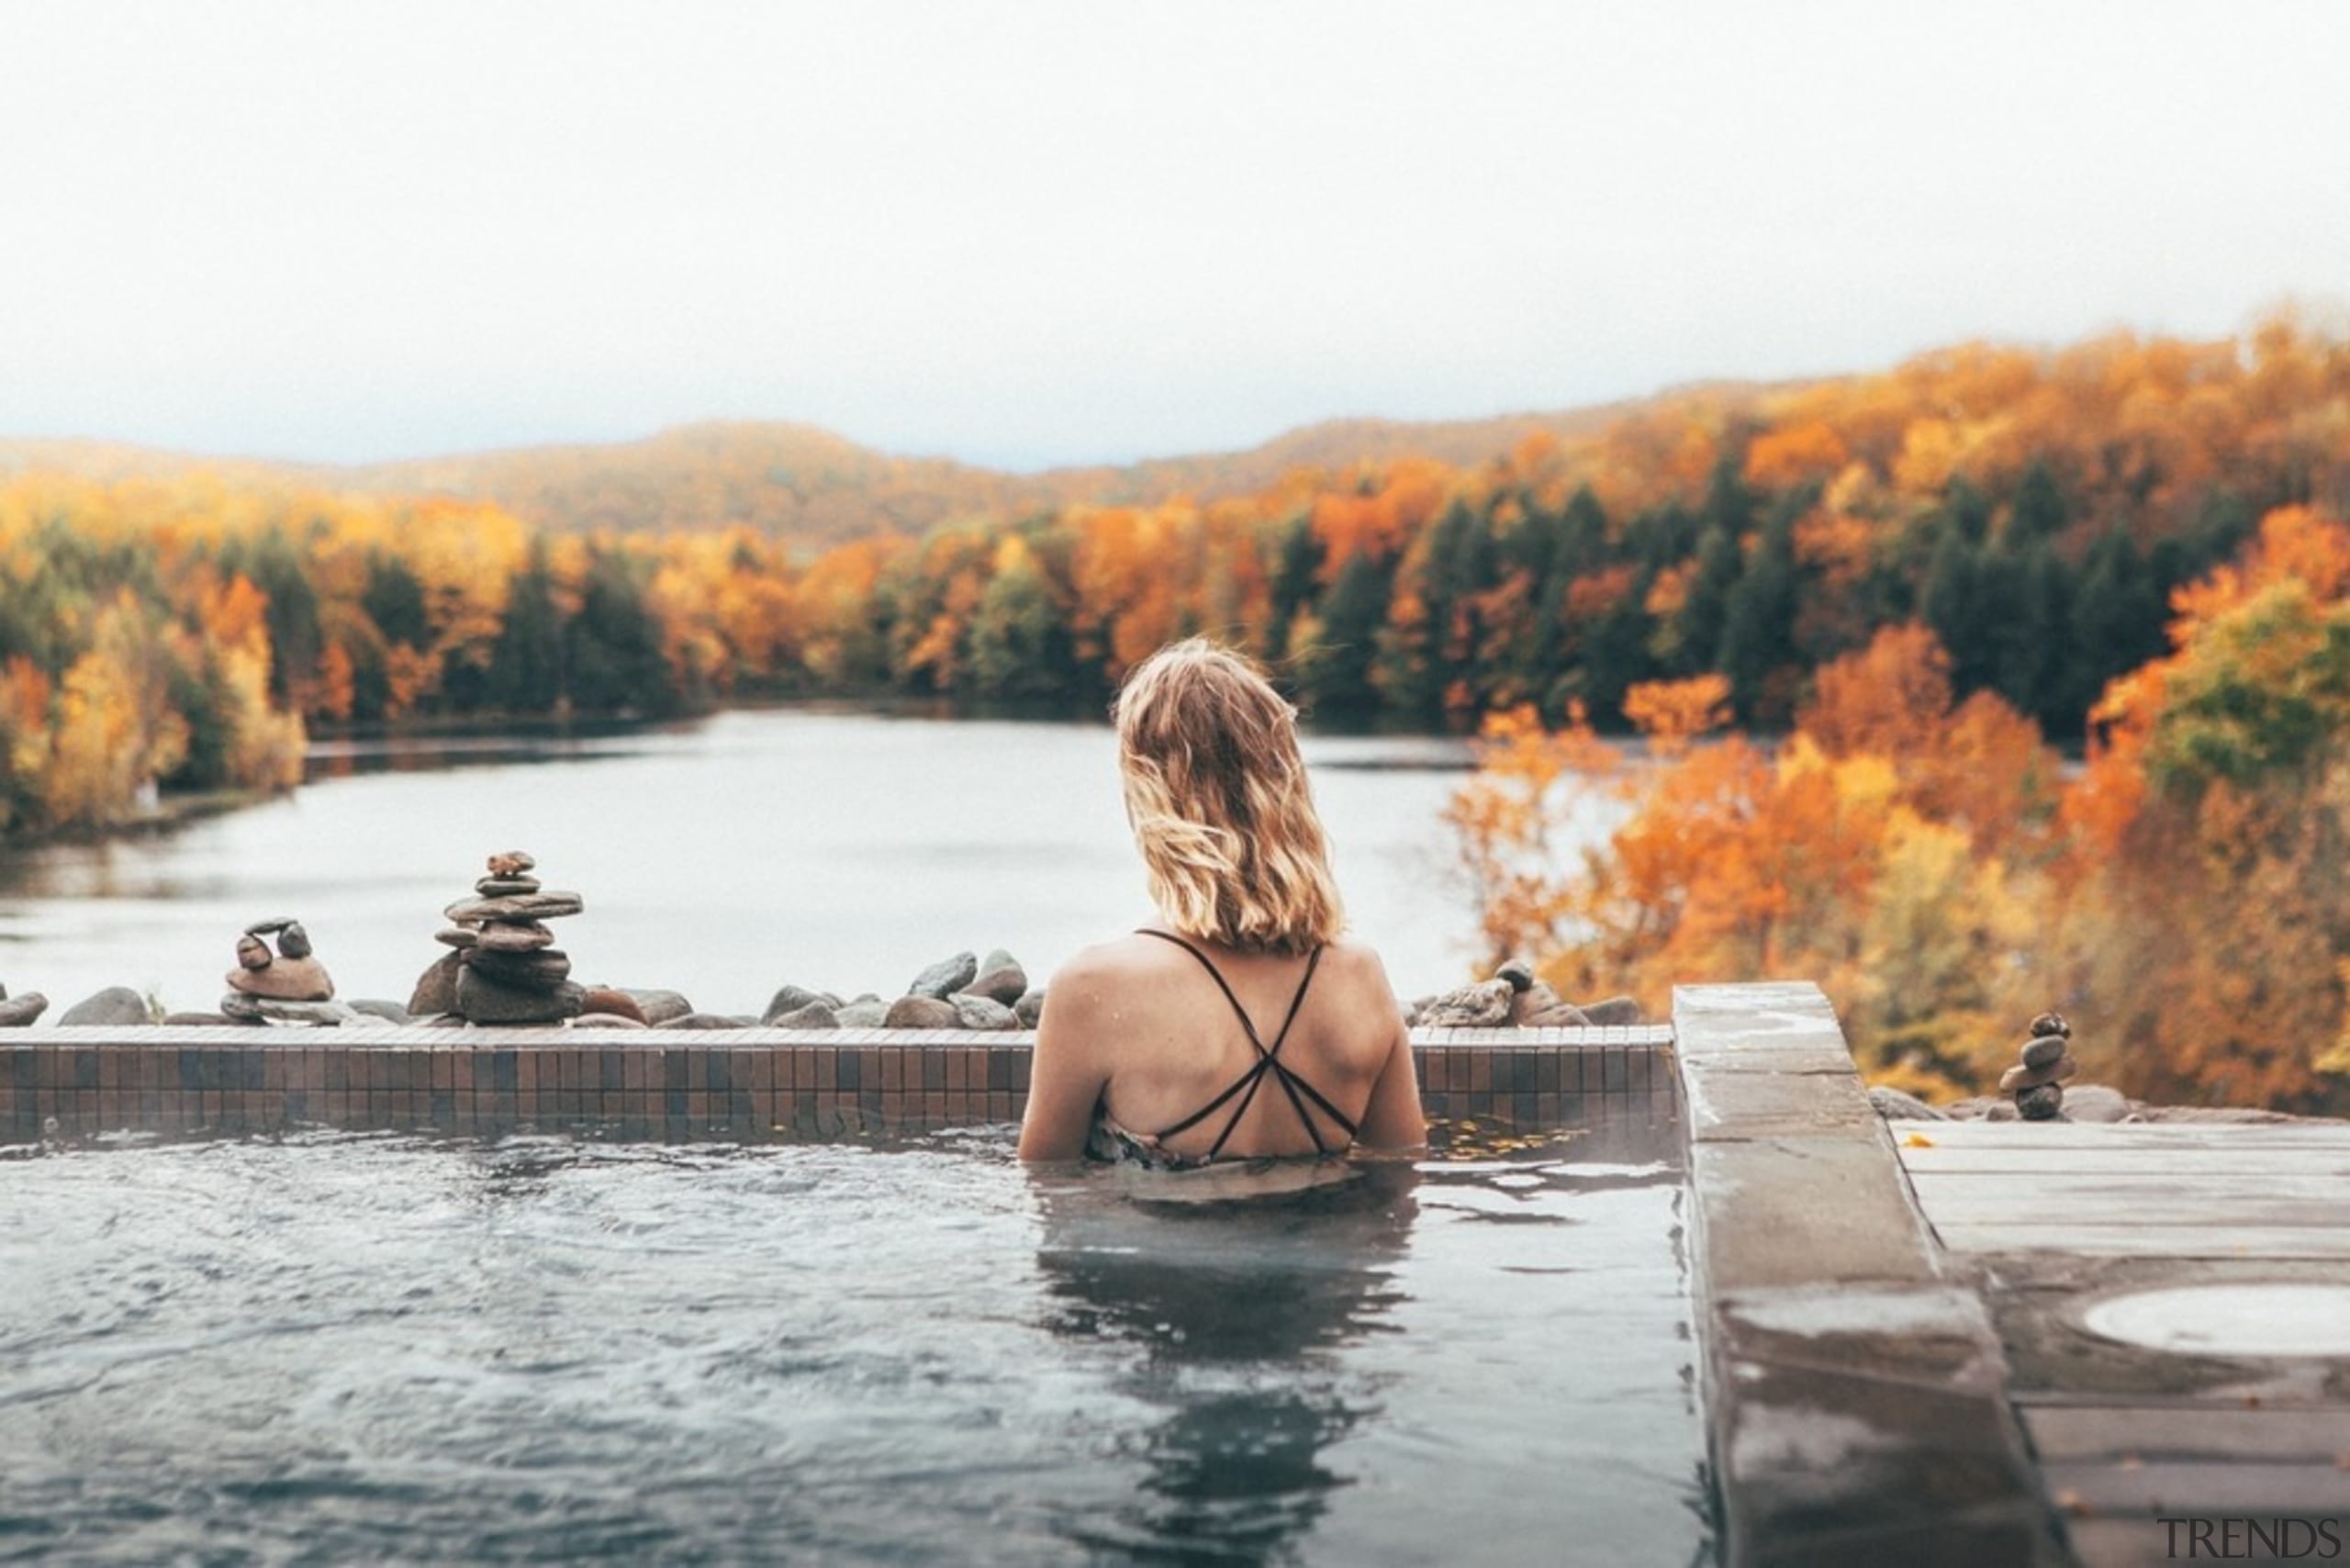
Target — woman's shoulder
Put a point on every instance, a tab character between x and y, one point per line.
1350	951
1346	968
1352	961
1103	969
1117	958
1142	952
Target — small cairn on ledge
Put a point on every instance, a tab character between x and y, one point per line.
285	984
504	968
2037	1080
1515	997
18	1012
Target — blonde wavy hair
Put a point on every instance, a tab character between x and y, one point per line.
1217	795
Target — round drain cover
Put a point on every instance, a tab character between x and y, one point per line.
2230	1320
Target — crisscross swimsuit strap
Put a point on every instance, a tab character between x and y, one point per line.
1269	1063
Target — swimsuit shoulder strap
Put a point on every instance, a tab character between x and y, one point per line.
1268	1059
1217	975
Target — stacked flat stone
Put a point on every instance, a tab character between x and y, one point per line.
2037	1080
284	984
507	970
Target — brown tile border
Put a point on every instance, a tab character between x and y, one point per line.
734	1083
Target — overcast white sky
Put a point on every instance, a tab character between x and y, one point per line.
1026	233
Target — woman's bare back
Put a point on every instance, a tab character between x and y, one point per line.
1182	1075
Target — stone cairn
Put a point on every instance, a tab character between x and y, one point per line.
2037	1080
285	984
1515	997
504	968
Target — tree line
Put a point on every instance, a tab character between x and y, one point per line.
2037	511
1927	858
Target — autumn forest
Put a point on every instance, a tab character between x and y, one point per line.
2002	679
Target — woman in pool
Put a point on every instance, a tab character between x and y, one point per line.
1242	1026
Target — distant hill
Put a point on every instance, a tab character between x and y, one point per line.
1335	444
109	461
794	482
815	488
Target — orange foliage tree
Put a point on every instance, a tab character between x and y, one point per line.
1871	851
2185	894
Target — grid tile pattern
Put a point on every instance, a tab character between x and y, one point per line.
739	1085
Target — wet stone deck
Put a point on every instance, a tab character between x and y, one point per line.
1993	1343
2149	1454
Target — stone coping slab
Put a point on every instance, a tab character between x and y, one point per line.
1855	1396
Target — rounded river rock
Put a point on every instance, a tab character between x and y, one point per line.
946	976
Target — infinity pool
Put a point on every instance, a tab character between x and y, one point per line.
395	1349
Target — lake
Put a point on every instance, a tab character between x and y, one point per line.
837	850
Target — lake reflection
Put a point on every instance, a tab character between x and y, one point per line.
838	850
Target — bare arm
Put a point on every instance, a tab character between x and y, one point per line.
1393	1118
1065	1075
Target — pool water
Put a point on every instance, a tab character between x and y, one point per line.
398	1348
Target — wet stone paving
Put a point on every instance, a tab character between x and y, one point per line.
2173	1302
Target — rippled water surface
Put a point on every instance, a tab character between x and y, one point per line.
341	1347
841	851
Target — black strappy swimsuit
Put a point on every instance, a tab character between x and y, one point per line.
1110	1141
